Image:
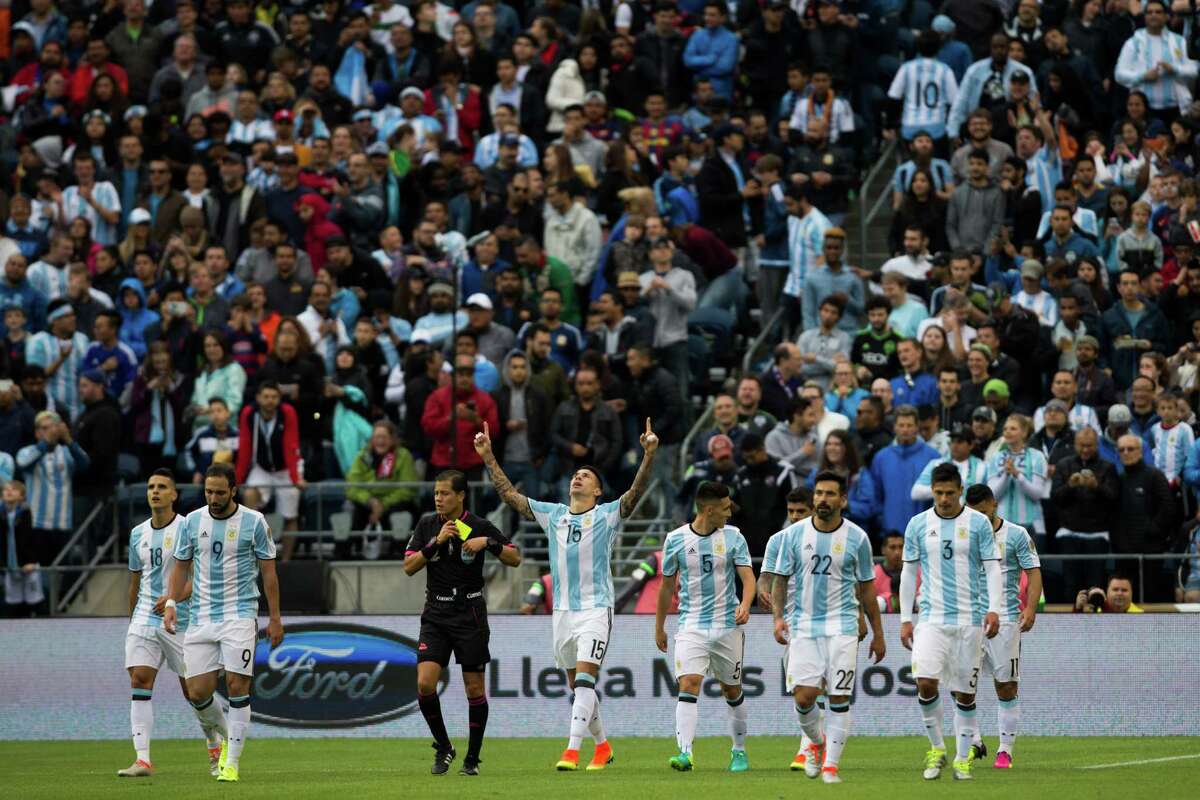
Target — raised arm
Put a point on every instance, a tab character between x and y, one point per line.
649	442
504	487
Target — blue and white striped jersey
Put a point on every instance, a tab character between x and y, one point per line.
1171	448
826	568
951	553
106	196
939	169
1017	553
1043	172
1078	418
224	555
152	553
707	568
1141	52
49	471
43	349
840	117
1016	499
806	247
1084	219
249	132
48	279
1043	304
770	564
928	88
580	552
971	471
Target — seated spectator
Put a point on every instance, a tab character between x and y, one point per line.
452	434
725	423
795	443
907	312
844	393
20	553
1118	599
384	460
895	469
217	442
585	430
98	431
718	464
839	454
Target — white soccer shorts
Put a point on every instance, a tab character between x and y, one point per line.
152	647
581	636
287	500
215	645
715	653
950	653
832	659
23	587
1002	654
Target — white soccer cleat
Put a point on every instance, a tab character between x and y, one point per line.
830	775
813	760
214	761
138	769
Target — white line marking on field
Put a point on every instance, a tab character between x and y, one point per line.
1143	761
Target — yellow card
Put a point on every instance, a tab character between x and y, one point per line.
464	530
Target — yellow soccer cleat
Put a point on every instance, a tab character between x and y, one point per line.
228	774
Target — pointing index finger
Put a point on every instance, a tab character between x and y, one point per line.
647	425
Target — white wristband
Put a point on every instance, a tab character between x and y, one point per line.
170	602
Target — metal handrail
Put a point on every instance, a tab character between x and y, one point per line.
65	601
867	215
686	447
748	359
78	534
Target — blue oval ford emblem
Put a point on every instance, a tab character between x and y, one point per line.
331	675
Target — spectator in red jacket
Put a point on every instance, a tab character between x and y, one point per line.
269	457
95	61
473	407
312	209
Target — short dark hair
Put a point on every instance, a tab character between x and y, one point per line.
456	479
222	470
979	493
978	154
945	473
830	475
268	385
801	494
711	492
163	472
878	301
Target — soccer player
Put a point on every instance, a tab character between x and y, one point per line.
955	550
705	558
830	558
147	644
1002	655
581	535
220	550
451	543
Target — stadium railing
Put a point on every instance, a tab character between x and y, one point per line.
685	449
868	210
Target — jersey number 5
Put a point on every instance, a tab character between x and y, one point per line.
706	563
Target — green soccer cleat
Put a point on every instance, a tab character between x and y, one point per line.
223	757
935	759
962	770
228	774
738	762
682	762
979	750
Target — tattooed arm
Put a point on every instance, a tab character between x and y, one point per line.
504	487
649	444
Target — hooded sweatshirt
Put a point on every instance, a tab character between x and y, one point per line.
318	230
135	321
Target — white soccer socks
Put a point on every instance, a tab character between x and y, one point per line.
141	721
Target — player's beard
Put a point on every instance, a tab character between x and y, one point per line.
824	513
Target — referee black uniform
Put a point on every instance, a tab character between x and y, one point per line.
454	620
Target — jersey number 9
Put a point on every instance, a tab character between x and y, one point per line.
217	547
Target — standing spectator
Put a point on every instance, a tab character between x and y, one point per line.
49	466
60	351
566	342
96	201
834	278
907	312
1018	475
220	376
725	423
762	486
976	209
1146	521
237	206
19	554
472	410
383	460
585	430
712	51
157	404
1132	327
523	438
653	393
874	350
572	235
913	386
780	381
136	46
795	443
895	469
1154	61
805	238
671	295
1085	491
114	359
268	458
724	182
218	442
826	345
98	431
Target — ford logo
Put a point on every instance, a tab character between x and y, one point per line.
333	675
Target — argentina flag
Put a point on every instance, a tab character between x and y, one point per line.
351	78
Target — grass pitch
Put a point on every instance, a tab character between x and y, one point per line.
1050	767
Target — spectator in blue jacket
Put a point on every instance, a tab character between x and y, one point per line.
913	386
896	468
108	354
135	317
1132	327
712	51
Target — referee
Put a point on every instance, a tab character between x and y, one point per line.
450	543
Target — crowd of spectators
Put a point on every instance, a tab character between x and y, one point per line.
328	240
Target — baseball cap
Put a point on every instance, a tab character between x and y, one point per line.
982	348
720	445
984	413
596	96
963	432
412	91
440	287
942	24
139	216
135	111
1055	405
361	114
1088	340
283	115
751	441
1119	415
336	241
628	280
419	337
509	140
1032	268
479	300
377	149
995	386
